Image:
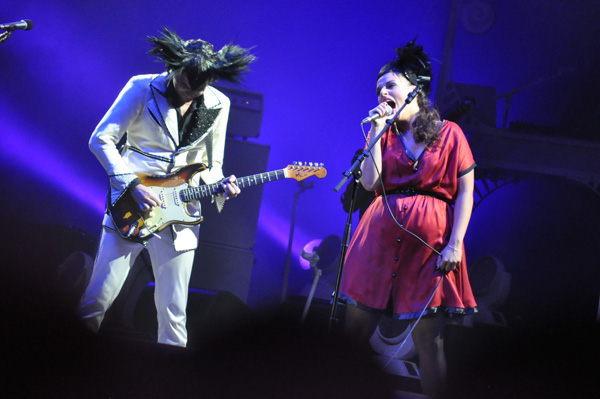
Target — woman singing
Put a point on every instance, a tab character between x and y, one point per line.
411	236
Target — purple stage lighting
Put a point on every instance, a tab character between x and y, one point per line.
25	147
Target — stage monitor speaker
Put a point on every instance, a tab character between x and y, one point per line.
245	114
236	224
222	268
319	312
216	269
209	314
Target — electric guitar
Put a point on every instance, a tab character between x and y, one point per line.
175	191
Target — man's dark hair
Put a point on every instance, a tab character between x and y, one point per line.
199	60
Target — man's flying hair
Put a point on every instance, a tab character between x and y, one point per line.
199	60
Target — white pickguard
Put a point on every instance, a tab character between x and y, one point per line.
173	209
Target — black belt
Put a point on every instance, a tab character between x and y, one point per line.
411	192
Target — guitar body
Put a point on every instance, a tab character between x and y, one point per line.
137	225
175	191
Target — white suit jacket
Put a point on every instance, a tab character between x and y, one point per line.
141	111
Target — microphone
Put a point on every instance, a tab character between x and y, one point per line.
24	24
388	112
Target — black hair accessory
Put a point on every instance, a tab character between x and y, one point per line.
413	63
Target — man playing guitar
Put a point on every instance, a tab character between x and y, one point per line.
171	121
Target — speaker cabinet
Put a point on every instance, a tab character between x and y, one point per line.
224	257
245	114
222	268
236	224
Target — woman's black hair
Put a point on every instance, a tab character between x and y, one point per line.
414	64
199	60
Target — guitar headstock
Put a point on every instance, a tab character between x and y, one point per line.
303	170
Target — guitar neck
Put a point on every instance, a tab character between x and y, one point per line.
207	190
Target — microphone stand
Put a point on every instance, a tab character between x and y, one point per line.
314	261
357	173
4	36
286	268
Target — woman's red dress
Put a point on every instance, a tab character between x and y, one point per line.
385	264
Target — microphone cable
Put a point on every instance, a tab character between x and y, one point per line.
389	209
393	355
384	195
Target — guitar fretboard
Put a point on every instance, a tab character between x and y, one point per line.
196	193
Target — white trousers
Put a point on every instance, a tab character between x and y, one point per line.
172	272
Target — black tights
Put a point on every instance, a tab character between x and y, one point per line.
428	336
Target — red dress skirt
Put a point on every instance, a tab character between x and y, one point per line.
385	264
